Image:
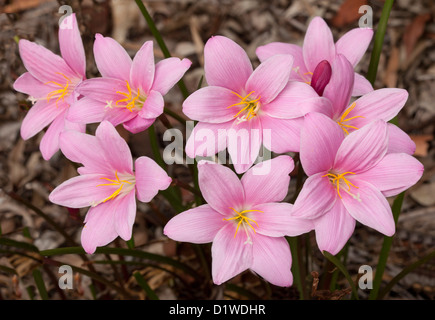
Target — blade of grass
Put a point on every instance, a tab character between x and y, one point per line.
385	250
379	41
123	252
404	272
343	270
155	32
40	285
144	285
18	244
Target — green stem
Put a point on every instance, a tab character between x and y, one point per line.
379	41
39	281
297	266
145	286
155	32
175	115
385	250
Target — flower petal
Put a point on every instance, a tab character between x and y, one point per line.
354	43
86	149
168	72
295	100
268	181
361	85
320	139
81	191
43	64
363	149
276	220
41	114
395	172
318	44
274	48
150	178
143	68
220	187
138	124
115	148
243	143
270	77
50	141
125	215
111	58
334	229
316	198
71	45
382	104
211	104
370	208
153	106
103	89
207	139
100	227
28	84
87	110
399	141
281	135
272	260
340	86
197	225
226	64
230	254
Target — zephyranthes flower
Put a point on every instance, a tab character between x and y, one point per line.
51	82
243	105
349	178
350	115
244	220
318	46
130	92
107	183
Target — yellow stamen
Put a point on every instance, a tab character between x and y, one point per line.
305	78
114	183
344	119
132	102
243	219
335	179
250	106
60	93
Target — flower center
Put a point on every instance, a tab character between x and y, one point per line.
244	221
340	180
249	107
60	94
343	122
133	100
129	183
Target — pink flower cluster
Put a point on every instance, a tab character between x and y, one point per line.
299	99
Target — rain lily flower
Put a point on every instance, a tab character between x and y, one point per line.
253	107
244	220
130	91
318	46
107	184
51	83
383	104
349	178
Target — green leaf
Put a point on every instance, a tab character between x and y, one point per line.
343	270
8	270
18	244
40	285
144	285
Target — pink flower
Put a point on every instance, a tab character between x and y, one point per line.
349	178
244	220
107	183
251	107
51	82
382	104
319	45
130	92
